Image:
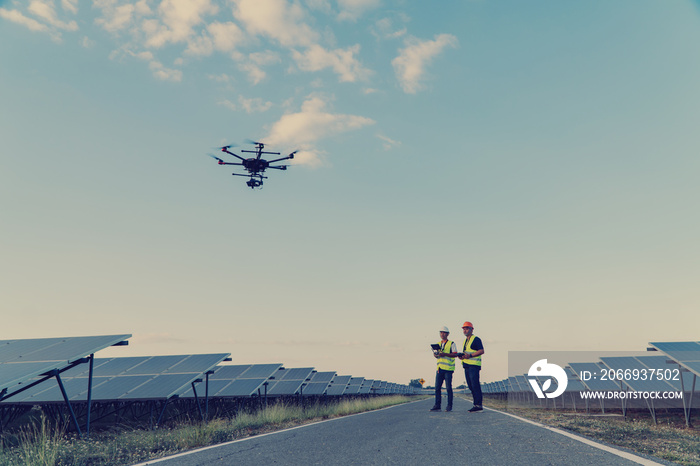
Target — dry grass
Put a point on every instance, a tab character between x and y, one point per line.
670	439
41	445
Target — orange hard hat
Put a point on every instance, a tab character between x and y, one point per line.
467	324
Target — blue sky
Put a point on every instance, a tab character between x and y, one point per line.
529	166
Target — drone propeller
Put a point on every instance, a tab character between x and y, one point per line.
221	162
291	155
228	146
257	143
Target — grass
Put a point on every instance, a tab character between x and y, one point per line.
669	439
43	445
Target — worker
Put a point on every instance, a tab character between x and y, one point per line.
471	362
445	356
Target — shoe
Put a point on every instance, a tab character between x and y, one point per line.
449	408
435	408
475	409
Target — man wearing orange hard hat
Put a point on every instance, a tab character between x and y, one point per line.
471	362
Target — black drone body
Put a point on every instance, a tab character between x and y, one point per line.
256	165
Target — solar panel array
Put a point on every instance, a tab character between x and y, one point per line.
131	378
28	365
674	370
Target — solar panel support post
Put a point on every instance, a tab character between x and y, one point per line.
89	397
206	394
65	398
196	398
687	409
162	412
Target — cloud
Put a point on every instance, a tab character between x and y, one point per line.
351	10
223	37
163	73
312	123
387	142
276	19
119	17
177	21
70	5
228	104
86	42
46	11
410	65
18	18
157	68
254	105
343	62
254	62
220	78
384	28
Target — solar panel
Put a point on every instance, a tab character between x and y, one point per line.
338	386
318	384
23	360
148	377
238	380
366	387
685	353
261	370
353	387
573	384
289	381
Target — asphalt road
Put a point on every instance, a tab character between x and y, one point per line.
408	434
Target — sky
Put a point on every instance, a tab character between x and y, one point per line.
531	167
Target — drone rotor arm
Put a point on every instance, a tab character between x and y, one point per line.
290	156
225	149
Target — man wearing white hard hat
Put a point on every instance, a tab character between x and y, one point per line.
445	356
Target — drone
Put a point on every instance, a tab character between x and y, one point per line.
256	165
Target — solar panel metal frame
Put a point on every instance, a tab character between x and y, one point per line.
40	356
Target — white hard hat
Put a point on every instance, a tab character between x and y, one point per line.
445	329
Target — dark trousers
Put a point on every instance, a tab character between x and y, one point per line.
471	373
440	376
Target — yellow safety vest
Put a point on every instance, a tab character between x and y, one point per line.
446	363
468	349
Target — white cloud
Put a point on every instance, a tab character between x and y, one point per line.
343	62
177	21
388	143
70	6
384	28
369	90
255	73
46	11
353	9
278	19
312	123
254	105
163	73
115	18
220	78
223	37
254	63
410	65
228	104
86	42
18	18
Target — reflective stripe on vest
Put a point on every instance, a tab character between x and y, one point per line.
446	363
476	361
